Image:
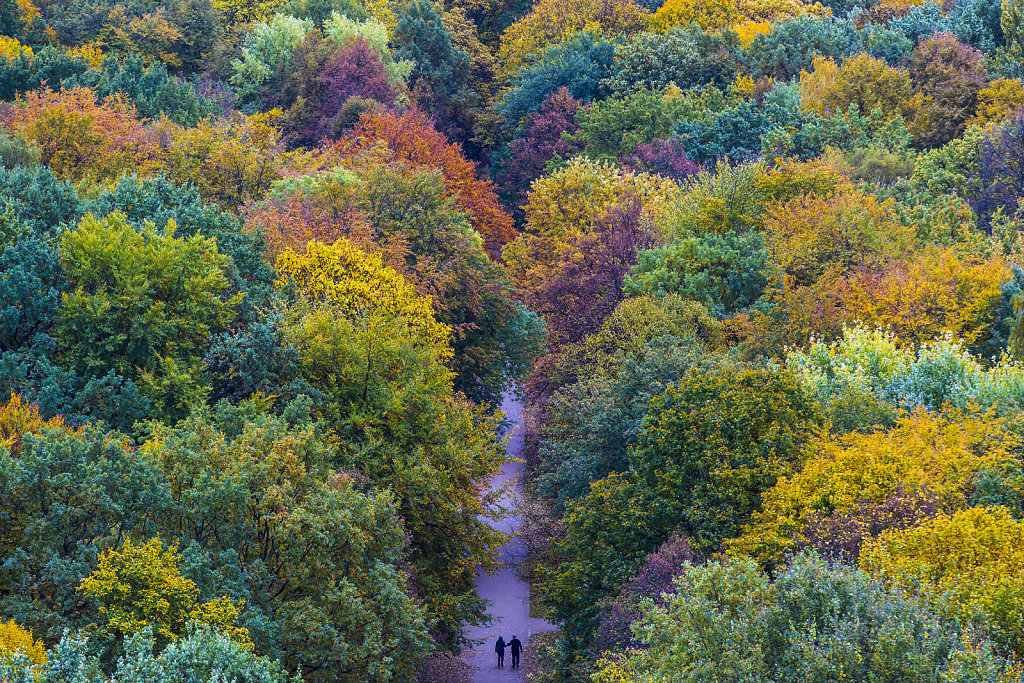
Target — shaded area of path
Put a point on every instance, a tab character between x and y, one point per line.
509	594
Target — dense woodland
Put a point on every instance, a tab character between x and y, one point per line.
268	267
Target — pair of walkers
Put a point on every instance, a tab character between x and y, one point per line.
514	645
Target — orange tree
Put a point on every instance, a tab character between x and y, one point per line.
79	138
410	137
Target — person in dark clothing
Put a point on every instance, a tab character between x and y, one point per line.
516	646
499	647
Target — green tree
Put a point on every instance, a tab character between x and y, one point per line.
371	345
66	495
708	448
713	444
139	587
1012	23
441	75
814	621
725	273
144	304
318	562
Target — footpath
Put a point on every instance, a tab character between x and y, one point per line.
508	593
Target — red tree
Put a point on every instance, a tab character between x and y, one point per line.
410	137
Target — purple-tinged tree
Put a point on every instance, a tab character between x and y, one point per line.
666	157
542	141
356	70
840	535
593	270
947	75
655	578
1000	178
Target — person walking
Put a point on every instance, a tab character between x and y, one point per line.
516	646
499	647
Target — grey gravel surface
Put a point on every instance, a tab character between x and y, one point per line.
509	594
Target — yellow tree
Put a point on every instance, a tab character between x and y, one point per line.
15	640
356	283
998	100
708	15
246	11
562	207
812	234
970	561
141	586
18	417
80	138
371	345
862	80
926	295
924	453
231	161
552	21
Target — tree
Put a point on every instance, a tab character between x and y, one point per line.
612	128
580	63
812	619
999	177
711	446
160	201
592	422
18	641
413	139
654	581
591	273
792	45
546	137
142	303
553	21
369	343
1001	99
245	11
79	138
139	587
563	208
315	85
961	562
1012	24
352	282
404	214
932	292
707	450
265	50
10	18
19	418
30	292
635	323
719	15
683	55
733	134
934	456
318	562
725	273
846	231
230	161
440	79
870	366
862	80
67	494
665	157
948	77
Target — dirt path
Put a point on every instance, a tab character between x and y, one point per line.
509	594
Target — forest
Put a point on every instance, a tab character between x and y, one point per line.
754	268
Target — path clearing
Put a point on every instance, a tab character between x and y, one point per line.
509	594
